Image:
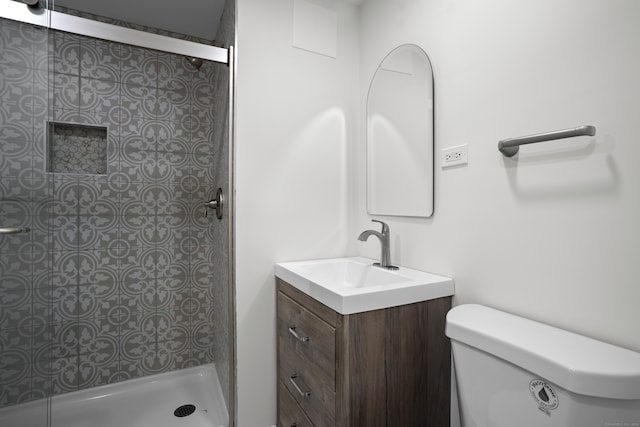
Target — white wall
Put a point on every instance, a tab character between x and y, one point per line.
553	235
295	114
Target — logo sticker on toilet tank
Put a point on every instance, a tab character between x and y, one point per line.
544	395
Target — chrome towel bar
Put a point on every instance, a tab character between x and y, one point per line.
509	147
16	230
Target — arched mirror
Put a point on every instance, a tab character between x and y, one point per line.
400	135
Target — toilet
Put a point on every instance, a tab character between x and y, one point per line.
515	372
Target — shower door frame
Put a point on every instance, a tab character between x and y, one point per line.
53	20
50	19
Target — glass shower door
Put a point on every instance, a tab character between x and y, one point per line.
25	225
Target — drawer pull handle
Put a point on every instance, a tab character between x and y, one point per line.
297	387
292	331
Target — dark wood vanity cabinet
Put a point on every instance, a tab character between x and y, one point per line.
388	367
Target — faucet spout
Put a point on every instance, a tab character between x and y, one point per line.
367	233
385	245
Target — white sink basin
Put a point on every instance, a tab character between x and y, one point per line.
354	285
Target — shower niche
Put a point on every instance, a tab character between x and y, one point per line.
76	148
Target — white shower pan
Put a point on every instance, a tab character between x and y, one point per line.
142	402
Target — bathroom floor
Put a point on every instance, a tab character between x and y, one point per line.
143	402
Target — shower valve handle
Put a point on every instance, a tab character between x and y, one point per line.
216	204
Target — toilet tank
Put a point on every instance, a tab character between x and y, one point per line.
515	372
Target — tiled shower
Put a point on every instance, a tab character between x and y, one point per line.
109	152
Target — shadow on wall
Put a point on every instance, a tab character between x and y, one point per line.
563	169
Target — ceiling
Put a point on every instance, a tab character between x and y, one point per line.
198	18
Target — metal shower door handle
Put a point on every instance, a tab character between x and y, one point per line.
217	204
14	230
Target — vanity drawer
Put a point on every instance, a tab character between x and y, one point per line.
305	337
289	413
314	394
307	361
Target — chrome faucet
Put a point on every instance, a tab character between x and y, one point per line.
385	238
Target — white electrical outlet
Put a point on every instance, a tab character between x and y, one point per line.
453	156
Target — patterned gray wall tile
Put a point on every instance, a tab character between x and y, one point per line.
100	60
65	304
202	96
173	327
138	296
17	158
66	115
98	268
202	167
170	137
64	341
41	95
139	263
175	72
202	347
171	167
16	281
40	386
66	53
66	196
160	362
16	308
15	208
15	348
65	233
66	93
202	327
95	118
15	388
171	230
138	66
99	96
98	196
170	263
14	188
139	101
172	293
17	84
201	147
173	199
98	300
42	312
16	45
95	369
165	359
99	336
137	134
64	375
173	105
138	230
65	268
137	342
138	166
98	232
38	264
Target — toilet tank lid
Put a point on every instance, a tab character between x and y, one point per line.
577	363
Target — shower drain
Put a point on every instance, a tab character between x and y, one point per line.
184	410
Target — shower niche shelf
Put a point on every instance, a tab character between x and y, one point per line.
77	148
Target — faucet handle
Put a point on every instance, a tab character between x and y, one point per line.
385	227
